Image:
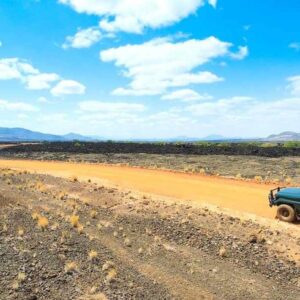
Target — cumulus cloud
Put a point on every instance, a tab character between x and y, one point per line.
68	87
120	107
42	100
186	95
133	16
83	38
15	68
40	81
19	69
294	85
295	46
241	54
17	106
160	63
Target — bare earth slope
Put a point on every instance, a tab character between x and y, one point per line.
69	239
245	197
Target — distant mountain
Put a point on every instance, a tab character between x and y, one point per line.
284	136
24	135
77	137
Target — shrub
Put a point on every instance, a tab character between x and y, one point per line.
74	221
93	255
70	267
93	214
43	222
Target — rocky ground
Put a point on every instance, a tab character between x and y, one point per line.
65	239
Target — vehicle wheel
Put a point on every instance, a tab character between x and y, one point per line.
286	213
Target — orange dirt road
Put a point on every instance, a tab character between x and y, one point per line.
240	196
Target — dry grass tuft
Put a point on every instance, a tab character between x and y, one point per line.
111	275
238	176
258	178
43	222
20	231
74	220
74	178
21	277
62	196
71	267
93	214
108	265
35	216
40	186
93	255
222	252
80	228
4	228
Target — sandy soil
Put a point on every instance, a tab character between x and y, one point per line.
64	239
247	197
280	169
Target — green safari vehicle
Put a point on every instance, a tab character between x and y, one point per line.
288	202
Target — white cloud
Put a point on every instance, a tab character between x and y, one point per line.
186	95
213	2
40	81
241	54
294	85
17	106
42	100
68	87
220	107
115	107
133	16
15	68
83	38
159	64
295	45
1	44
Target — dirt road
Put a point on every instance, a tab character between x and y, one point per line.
195	189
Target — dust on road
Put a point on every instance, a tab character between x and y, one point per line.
247	197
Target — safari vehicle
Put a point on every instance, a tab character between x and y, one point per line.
288	202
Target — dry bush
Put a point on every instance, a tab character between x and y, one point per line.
4	228
43	222
238	176
74	220
93	214
258	178
288	180
20	231
93	255
62	195
40	186
202	171
71	267
80	228
35	215
21	277
108	265
127	242
74	178
222	252
111	275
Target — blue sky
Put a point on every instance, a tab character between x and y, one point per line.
151	68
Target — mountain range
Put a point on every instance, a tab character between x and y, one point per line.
25	135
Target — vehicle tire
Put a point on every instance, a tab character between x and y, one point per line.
286	213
